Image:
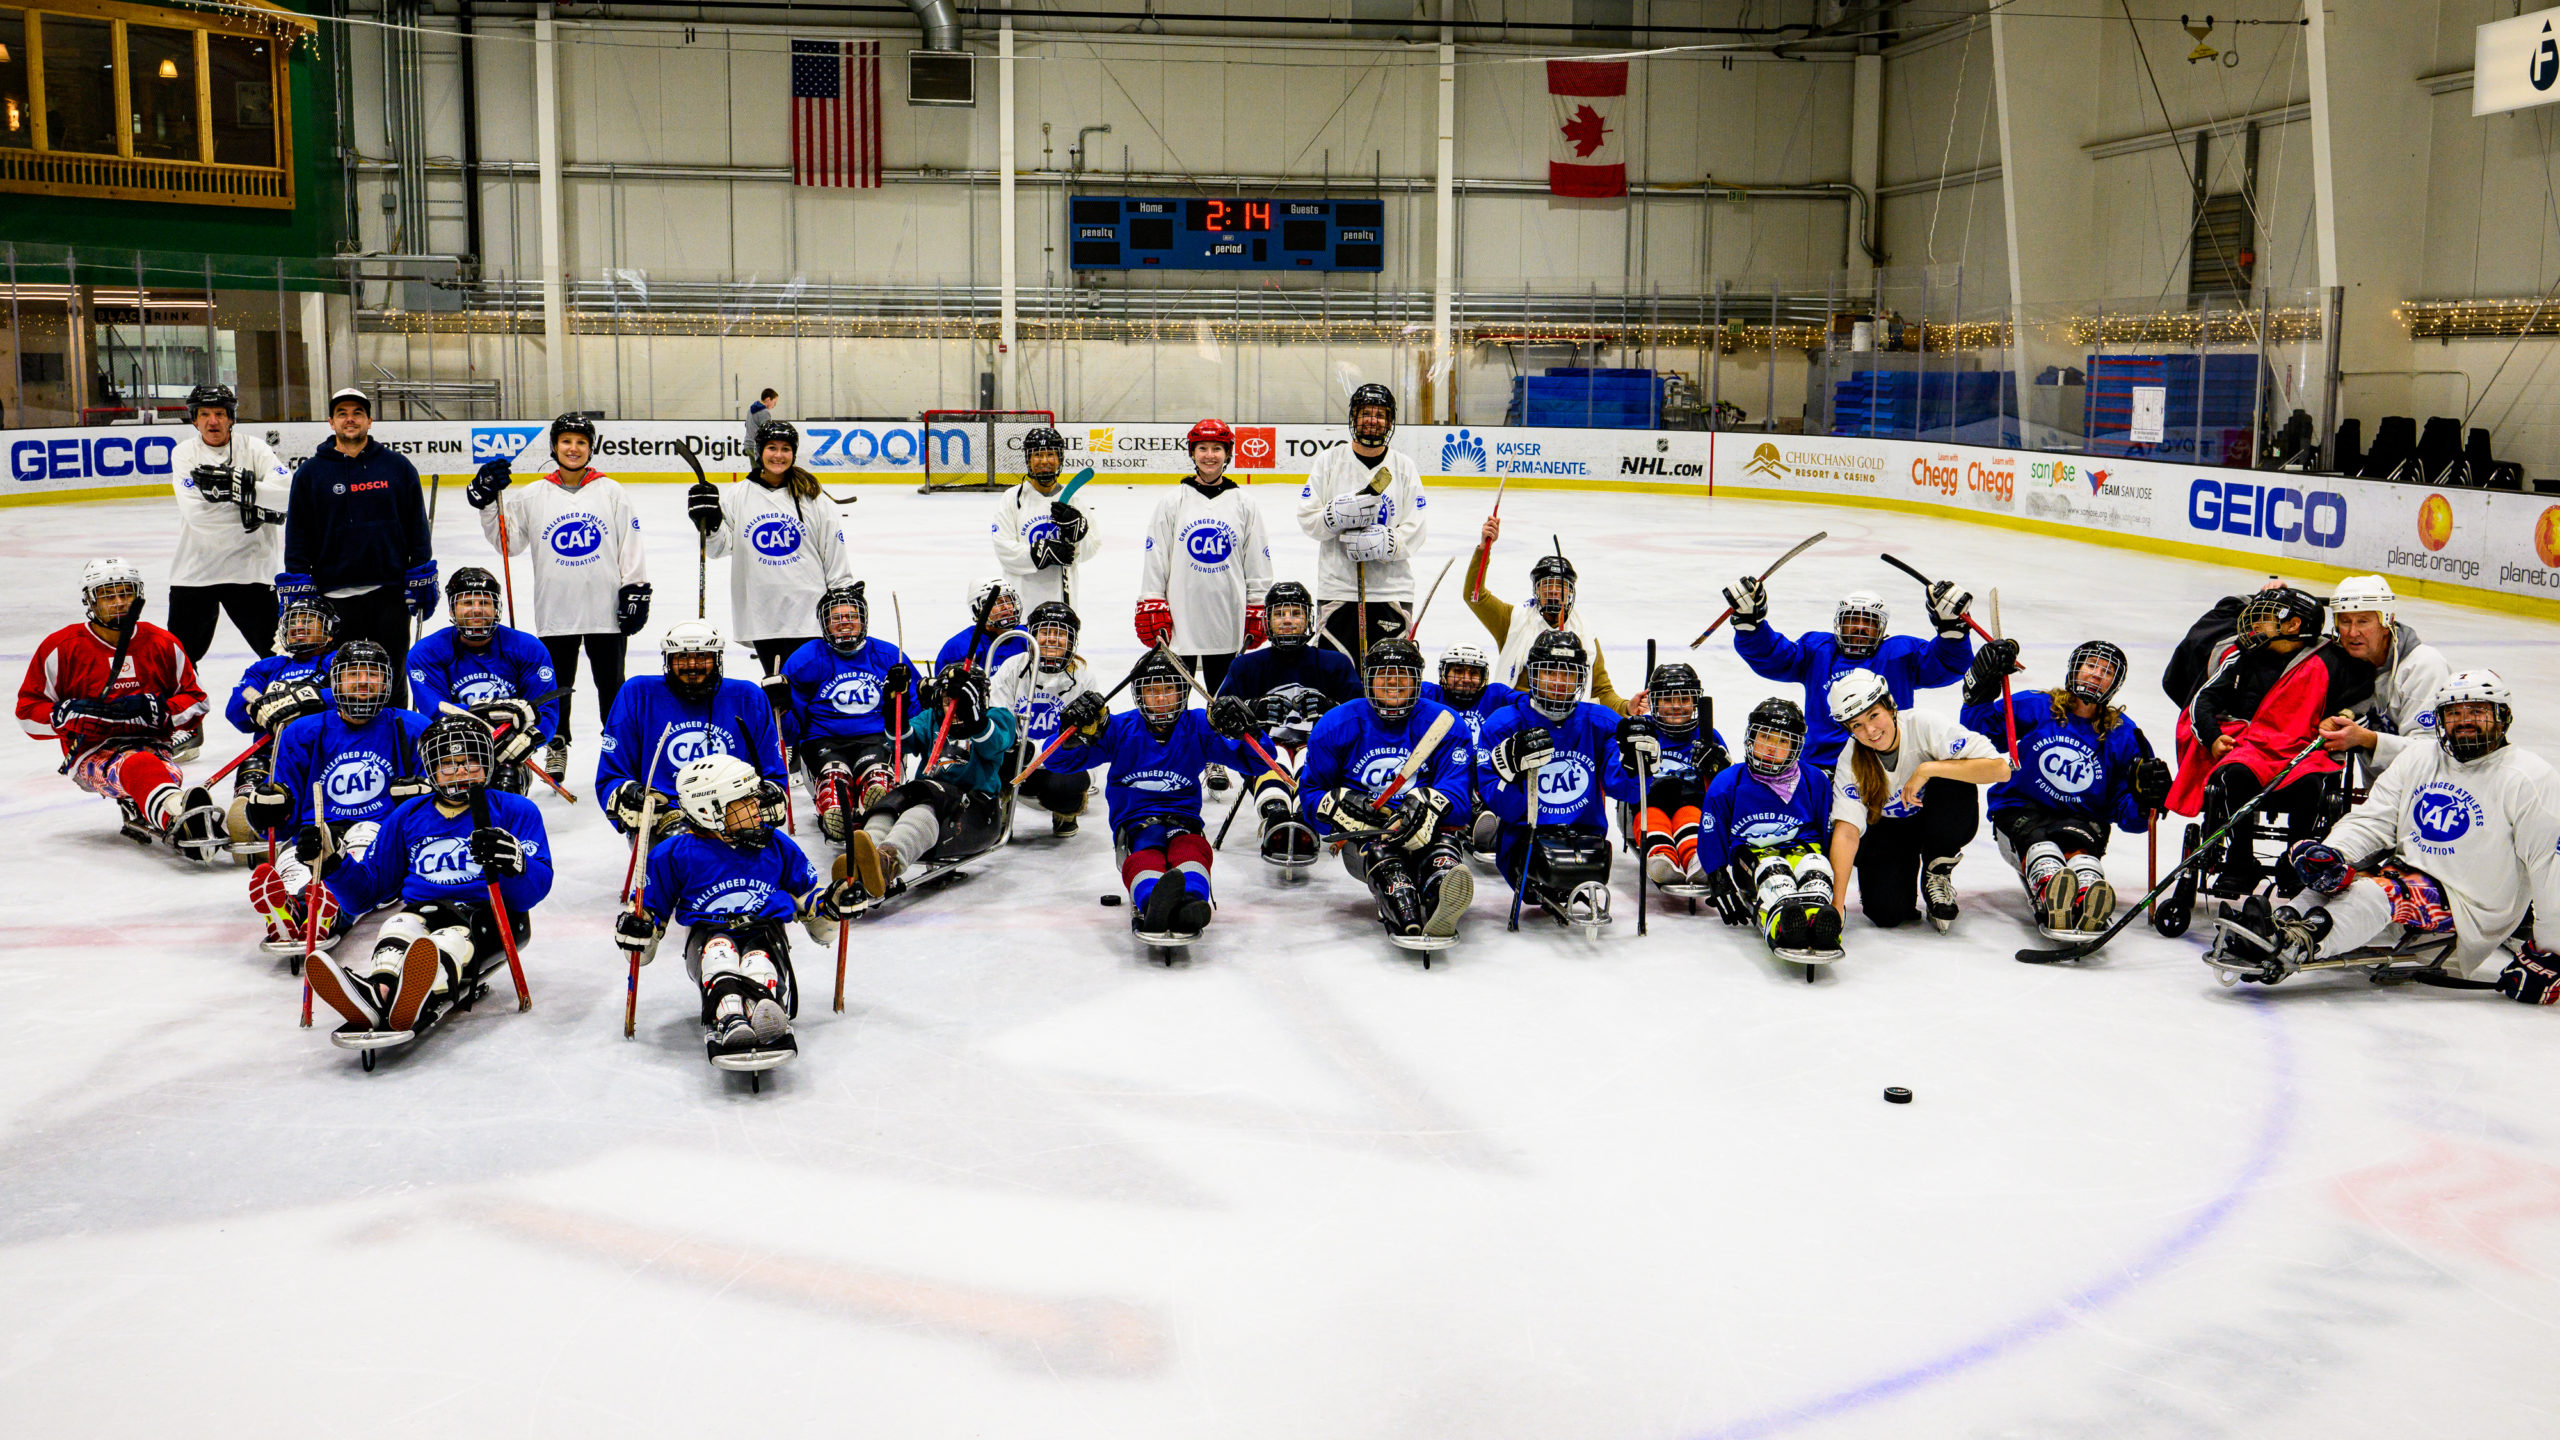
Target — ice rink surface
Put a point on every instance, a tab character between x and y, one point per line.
1028	1184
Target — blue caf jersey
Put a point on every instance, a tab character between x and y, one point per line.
836	697
421	854
1682	752
1495	699
1742	813
1352	747
697	880
736	720
263	673
1152	778
974	644
2064	765
354	765
1575	786
1906	666
513	666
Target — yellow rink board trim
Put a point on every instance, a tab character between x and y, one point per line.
2411	586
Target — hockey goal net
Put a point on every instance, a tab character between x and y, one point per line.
977	449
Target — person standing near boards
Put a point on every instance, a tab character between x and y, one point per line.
787	543
1363	506
355	530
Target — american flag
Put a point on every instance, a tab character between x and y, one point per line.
835	112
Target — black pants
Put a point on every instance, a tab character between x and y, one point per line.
194	608
771	653
1209	670
1059	792
605	655
1338	624
380	615
1894	848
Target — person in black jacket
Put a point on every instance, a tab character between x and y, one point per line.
356	531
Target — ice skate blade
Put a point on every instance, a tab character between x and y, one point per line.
1166	940
1684	890
752	1060
294	947
1422	942
1807	957
2069	937
370	1039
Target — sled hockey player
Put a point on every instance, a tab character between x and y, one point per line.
362	757
1546	768
1040	534
356	532
1691	755
273	693
2458	838
1760	840
2084	767
1038	688
2260	708
1288	685
1552	595
1157	752
231	493
2407	674
1407	849
1905	801
847	688
954	806
786	539
1207	565
436	856
1363	506
495	671
115	690
662	722
581	540
995	615
1857	640
736	885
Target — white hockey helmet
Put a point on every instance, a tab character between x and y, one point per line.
2474	687
2364	592
684	639
1855	693
990	593
691	637
1864	606
707	787
1465	655
97	575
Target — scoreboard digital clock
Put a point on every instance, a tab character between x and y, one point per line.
1135	233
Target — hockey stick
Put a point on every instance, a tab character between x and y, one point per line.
1068	491
1251	743
1412	766
1529	856
634	889
506	563
898	705
234	762
310	906
1413	632
1232	812
1809	542
701	542
1644	801
2205	847
498	906
1061	737
1927	585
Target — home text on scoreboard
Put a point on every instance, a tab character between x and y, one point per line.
1237	233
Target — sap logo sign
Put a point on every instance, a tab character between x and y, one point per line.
575	538
445	861
2442	813
500	442
2270	512
1209	543
775	536
857	693
105	457
2069	771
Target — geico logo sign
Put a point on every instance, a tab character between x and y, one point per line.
1937	474
2269	512
79	457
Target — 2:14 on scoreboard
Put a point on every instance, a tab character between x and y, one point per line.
1226	233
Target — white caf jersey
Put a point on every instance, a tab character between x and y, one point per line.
1035	696
1340	472
2402	710
584	546
2488	830
786	553
1022	516
1206	556
1926	736
1527	624
212	548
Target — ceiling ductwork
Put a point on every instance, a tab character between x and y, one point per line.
941	23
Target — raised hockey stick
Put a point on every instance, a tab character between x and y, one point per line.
1817	537
1413	632
1976	627
2032	956
1644	801
498	907
506	563
701	542
1068	490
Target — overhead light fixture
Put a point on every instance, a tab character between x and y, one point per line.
168	69
4	53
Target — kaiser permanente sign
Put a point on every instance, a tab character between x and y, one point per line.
2516	63
2495	548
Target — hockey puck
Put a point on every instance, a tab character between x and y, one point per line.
1110	902
1896	1095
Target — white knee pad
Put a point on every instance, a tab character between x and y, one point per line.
2042	859
2087	870
1813	879
453	943
2359	915
720	956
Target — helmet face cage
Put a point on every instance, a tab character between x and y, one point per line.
2278	613
1160	699
1393	688
996	606
1057	641
1300	626
1858	625
2097	672
844	618
2471	728
360	681
692	669
1555	683
111	602
306	627
475	613
458	757
1462	680
721	795
1772	748
1675	692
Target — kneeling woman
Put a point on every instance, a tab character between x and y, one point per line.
1904	802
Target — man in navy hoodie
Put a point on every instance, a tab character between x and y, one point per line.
362	538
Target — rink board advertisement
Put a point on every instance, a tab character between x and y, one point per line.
2501	542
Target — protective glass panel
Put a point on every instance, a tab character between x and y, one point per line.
244	100
164	91
79	85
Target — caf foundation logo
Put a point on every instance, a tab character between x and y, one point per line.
2435	522
1462	454
1765	461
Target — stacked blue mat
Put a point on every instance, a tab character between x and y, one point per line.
2229	391
1578	397
1907	405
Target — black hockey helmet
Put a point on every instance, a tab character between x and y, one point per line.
356	702
769	430
1040	438
1288	592
472	580
2290	612
2074	677
1781	723
1552	603
1163	694
1364	397
1674	684
572	423
322	619
1388	658
463	739
836	598
1054	615
212	397
1554	672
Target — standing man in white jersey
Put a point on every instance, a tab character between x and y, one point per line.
231	497
1363	506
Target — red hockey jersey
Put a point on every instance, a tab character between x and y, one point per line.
72	664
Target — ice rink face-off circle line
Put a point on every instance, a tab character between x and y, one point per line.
2275	1128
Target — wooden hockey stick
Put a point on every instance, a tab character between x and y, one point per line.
701	542
1413	632
1808	543
506	565
498	907
1926	586
310	908
1251	743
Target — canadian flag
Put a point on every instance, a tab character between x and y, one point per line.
1583	158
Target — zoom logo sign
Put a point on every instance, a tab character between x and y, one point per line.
2280	513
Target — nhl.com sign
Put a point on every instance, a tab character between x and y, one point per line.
2516	63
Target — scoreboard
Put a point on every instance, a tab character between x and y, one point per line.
1136	233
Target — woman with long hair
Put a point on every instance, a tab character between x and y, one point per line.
1904	801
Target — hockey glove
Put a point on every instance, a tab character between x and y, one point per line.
513	712
636	935
1750	602
2320	866
1733	907
133	715
1052	552
1230	716
1155	621
776	803
270	808
631	608
421	582
2532	978
898	679
627	802
316	842
1350	812
1257	628
1375	543
1271	710
291	586
1639	741
1085	712
284	702
1071	522
215	484
2150	782
777	692
409	787
1994	662
1710	758
1418	817
842	899
1947	605
497	853
489	484
1355	511
702	507
1522	751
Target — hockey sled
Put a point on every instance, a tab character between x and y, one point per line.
2420	957
1292	867
1811	960
1424	943
1164	947
1586	909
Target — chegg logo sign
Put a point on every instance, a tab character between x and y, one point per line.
1939	474
1998	479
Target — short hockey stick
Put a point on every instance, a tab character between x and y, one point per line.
498	908
1816	538
638	891
2006	709
701	542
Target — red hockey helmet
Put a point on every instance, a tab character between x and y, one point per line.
1211	431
